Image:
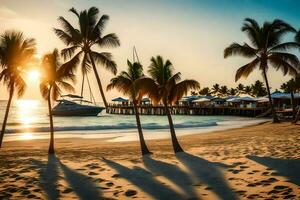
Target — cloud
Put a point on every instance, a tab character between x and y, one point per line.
6	13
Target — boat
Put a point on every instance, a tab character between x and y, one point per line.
74	105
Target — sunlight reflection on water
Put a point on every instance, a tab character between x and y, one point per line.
26	115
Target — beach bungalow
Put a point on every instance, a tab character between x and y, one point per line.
218	102
283	100
120	101
202	102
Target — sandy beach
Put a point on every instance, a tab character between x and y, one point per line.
257	162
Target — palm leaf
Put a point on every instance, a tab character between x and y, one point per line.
245	70
237	49
105	59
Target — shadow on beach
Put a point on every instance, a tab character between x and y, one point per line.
284	167
173	173
144	180
48	175
81	184
206	172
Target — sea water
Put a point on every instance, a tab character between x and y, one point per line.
28	119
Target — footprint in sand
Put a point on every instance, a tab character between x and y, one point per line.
109	184
92	174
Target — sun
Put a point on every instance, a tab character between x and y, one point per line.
33	75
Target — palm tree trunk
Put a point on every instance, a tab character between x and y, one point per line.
51	145
275	119
292	103
11	94
176	146
98	81
144	147
297	117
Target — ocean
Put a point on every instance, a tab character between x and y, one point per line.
28	119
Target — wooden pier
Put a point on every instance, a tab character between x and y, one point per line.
187	110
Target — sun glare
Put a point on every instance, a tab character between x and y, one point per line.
33	75
26	136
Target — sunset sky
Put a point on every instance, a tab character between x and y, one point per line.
191	33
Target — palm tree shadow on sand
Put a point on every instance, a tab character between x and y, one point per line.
49	175
81	184
144	180
284	167
173	174
208	173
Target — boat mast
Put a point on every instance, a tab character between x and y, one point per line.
82	85
135	55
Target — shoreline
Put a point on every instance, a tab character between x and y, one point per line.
126	135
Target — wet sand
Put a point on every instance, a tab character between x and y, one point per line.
257	162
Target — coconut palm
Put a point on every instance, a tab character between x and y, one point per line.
223	90
216	89
125	82
266	49
240	89
166	86
205	91
248	90
80	43
258	89
292	86
16	52
233	91
54	79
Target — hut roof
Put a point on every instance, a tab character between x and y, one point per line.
119	99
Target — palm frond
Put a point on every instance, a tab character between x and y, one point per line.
237	49
297	37
105	59
245	70
71	65
73	10
283	64
252	29
148	87
285	46
68	52
109	40
63	36
180	89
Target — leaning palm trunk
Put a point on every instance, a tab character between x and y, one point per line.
98	80
11	94
176	146
51	145
275	119
144	147
297	117
292	103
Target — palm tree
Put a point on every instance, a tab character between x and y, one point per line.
89	35
165	86
205	91
240	89
248	90
292	86
125	82
258	89
216	89
194	93
266	49
233	91
54	79
16	52
223	90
